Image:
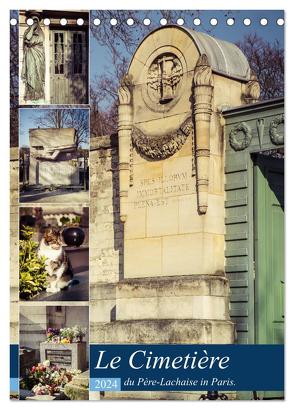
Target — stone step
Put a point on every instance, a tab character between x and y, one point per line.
192	285
173	297
163	331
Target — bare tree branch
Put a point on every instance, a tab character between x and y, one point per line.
267	62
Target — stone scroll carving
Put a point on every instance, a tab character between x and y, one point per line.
125	118
202	93
275	137
163	146
33	66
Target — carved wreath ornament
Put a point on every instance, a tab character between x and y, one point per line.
241	143
276	138
163	146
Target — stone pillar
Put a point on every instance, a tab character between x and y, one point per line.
124	136
203	89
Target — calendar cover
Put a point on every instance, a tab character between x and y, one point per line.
147	204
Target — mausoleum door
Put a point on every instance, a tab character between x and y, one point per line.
269	251
68	67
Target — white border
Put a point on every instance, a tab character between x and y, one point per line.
4	173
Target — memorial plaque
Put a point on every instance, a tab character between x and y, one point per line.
69	355
61	358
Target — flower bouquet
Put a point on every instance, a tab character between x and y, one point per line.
46	379
74	334
53	335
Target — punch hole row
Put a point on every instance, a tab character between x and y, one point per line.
46	21
130	22
197	21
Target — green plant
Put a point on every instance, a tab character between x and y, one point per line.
76	220
64	220
32	272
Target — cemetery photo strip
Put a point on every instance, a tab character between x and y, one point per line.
50	132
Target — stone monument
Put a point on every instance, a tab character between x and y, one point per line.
53	157
173	287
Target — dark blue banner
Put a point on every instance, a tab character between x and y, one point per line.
14	361
14	368
187	367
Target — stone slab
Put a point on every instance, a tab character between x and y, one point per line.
173	307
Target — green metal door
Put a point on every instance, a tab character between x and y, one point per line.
269	252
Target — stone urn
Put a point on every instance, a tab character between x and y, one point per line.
73	236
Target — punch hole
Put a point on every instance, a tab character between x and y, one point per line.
197	21
147	22
63	22
163	22
263	21
46	22
230	21
280	22
113	22
96	22
30	22
130	22
247	22
213	21
13	22
80	22
180	21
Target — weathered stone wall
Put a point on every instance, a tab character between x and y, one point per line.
106	231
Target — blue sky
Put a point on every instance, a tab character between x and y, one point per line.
28	119
100	59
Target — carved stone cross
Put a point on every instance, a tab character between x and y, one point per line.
165	65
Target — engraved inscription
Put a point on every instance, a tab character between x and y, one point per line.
153	192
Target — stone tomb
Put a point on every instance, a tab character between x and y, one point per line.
53	157
171	177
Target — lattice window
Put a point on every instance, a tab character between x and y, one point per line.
77	53
59	53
